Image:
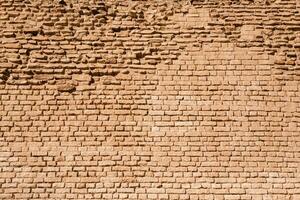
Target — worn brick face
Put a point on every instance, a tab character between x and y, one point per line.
150	99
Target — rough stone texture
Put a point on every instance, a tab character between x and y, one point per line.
150	99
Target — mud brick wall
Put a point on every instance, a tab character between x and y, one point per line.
157	99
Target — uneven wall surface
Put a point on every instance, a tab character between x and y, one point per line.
150	99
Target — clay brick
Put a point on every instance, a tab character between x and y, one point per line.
256	191
6	123
82	77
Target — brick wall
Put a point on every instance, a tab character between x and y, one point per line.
159	99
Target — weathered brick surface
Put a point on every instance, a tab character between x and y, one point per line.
150	99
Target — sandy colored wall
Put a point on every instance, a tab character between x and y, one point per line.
195	100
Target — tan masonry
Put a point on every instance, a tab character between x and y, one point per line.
154	99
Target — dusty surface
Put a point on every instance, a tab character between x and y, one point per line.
150	99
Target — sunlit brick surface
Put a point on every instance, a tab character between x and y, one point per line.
157	99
